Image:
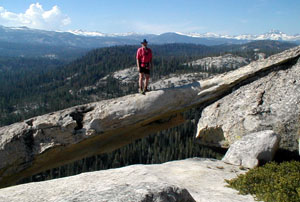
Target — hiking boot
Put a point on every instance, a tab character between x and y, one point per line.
141	91
146	90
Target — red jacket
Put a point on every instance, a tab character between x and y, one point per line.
144	55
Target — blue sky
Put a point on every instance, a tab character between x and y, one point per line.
155	16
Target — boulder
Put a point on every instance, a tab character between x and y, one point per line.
253	149
58	138
269	101
189	180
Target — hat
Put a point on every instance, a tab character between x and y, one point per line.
144	41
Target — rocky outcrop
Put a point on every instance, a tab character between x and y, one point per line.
174	80
200	180
270	100
227	61
128	75
58	138
253	149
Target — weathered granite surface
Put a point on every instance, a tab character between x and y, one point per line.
253	149
196	179
225	61
58	138
269	101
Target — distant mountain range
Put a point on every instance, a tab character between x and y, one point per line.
23	41
205	39
271	35
79	38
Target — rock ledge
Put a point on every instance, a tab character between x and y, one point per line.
196	179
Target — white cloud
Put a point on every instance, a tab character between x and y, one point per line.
35	17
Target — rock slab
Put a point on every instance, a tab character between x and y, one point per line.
270	101
189	180
253	149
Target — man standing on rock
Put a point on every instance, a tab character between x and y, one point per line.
144	64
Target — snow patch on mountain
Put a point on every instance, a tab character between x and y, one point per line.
100	34
16	28
204	35
85	33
